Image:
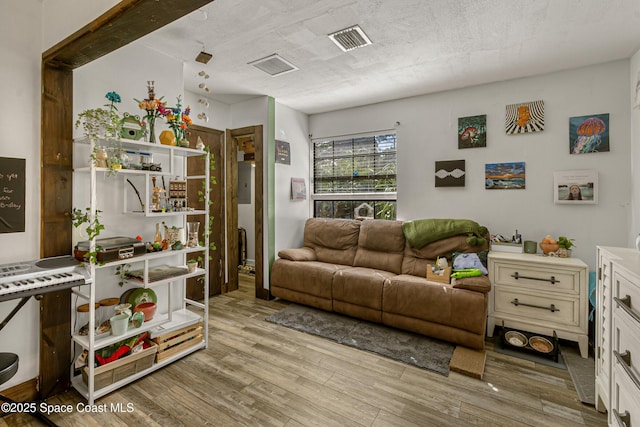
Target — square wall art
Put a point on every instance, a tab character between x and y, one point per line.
450	173
472	131
589	134
504	176
524	118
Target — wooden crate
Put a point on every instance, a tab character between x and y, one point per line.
445	278
176	341
122	368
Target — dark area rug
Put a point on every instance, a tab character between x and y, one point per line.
407	347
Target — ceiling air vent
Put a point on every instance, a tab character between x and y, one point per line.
350	38
274	65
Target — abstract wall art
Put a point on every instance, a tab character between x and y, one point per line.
472	131
450	173
524	118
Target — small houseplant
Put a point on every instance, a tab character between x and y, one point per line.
192	264
565	246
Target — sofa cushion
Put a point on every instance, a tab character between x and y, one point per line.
418	298
307	277
334	240
357	292
298	254
415	260
380	245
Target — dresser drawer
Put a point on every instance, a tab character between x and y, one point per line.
537	307
628	294
626	340
625	400
537	277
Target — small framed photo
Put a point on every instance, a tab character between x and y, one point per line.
575	187
298	189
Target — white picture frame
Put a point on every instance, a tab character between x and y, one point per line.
576	187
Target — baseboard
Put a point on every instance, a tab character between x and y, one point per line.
25	392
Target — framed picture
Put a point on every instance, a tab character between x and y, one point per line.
524	118
575	187
504	176
283	152
450	173
298	189
589	134
472	131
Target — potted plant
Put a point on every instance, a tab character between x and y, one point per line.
192	264
99	122
565	246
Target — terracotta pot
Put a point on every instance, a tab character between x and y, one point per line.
148	308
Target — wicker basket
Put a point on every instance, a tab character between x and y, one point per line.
122	368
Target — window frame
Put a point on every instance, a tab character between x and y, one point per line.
360	196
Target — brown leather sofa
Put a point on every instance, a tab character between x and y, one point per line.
367	269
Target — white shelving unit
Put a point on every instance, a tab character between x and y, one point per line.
167	318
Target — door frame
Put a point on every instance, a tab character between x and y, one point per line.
231	163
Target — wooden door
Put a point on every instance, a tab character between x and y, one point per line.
214	139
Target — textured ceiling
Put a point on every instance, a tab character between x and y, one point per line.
419	46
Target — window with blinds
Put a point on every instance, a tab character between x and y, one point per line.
355	172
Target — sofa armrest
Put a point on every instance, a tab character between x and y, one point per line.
298	254
478	284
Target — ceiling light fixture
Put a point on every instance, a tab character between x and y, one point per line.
274	65
204	57
350	38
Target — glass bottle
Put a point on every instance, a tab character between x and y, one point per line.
158	237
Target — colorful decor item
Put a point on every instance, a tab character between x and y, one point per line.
524	118
504	176
589	134
472	131
153	108
178	120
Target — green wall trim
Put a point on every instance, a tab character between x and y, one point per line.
271	181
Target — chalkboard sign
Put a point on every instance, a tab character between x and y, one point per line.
12	178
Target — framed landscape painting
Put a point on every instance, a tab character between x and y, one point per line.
504	176
472	131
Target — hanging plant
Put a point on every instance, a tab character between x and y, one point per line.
99	122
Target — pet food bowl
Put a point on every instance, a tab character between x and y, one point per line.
516	338
541	344
148	308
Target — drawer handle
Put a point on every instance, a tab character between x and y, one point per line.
625	304
552	307
551	279
624	360
623	419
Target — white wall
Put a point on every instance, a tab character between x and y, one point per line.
20	124
292	126
428	132
64	17
634	75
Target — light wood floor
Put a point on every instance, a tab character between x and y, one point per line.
259	374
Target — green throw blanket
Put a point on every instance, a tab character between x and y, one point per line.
423	231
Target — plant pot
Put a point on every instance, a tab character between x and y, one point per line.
564	253
191	266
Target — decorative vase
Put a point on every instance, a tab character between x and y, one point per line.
167	137
151	134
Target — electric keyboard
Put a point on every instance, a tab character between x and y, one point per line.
24	279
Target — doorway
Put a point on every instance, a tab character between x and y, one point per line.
236	139
213	140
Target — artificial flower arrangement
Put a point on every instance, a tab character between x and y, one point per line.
178	120
153	107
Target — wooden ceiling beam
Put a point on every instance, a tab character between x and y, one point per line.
122	24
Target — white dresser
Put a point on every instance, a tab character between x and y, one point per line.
540	294
618	335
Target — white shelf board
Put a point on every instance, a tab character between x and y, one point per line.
197	272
